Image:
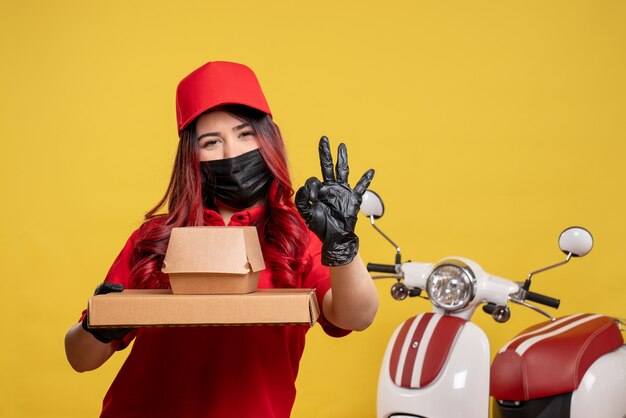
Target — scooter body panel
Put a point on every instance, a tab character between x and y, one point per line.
460	390
602	391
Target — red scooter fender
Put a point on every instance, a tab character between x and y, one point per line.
435	365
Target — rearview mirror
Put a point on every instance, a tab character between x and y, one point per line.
576	241
372	205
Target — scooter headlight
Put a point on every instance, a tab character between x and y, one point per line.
451	286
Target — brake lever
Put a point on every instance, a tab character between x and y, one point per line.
534	308
395	276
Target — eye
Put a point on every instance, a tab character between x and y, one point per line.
247	133
210	143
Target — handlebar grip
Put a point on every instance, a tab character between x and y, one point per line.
543	299
381	268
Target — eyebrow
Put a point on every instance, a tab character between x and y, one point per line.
236	128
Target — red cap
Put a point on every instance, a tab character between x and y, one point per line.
217	83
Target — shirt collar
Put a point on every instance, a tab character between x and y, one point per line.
245	217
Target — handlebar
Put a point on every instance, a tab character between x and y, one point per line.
531	296
381	268
543	299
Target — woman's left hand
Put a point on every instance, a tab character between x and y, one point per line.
330	208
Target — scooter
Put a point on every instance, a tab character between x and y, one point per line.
437	364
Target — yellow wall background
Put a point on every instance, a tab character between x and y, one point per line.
492	126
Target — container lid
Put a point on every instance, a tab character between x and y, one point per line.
213	249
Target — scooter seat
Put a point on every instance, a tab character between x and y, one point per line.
551	358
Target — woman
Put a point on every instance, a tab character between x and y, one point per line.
231	169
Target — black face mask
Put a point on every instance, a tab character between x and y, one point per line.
237	182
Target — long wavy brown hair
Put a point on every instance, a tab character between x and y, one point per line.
281	229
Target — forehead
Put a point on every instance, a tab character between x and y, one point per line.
217	120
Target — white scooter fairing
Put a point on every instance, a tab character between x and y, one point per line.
410	386
602	391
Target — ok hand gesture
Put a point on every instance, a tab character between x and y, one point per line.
330	208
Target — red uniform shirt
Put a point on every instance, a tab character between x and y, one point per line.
214	371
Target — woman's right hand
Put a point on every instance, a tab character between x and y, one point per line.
106	335
89	348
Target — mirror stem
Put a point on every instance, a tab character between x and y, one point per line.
527	282
398	257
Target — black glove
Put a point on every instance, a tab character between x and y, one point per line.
106	335
330	208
